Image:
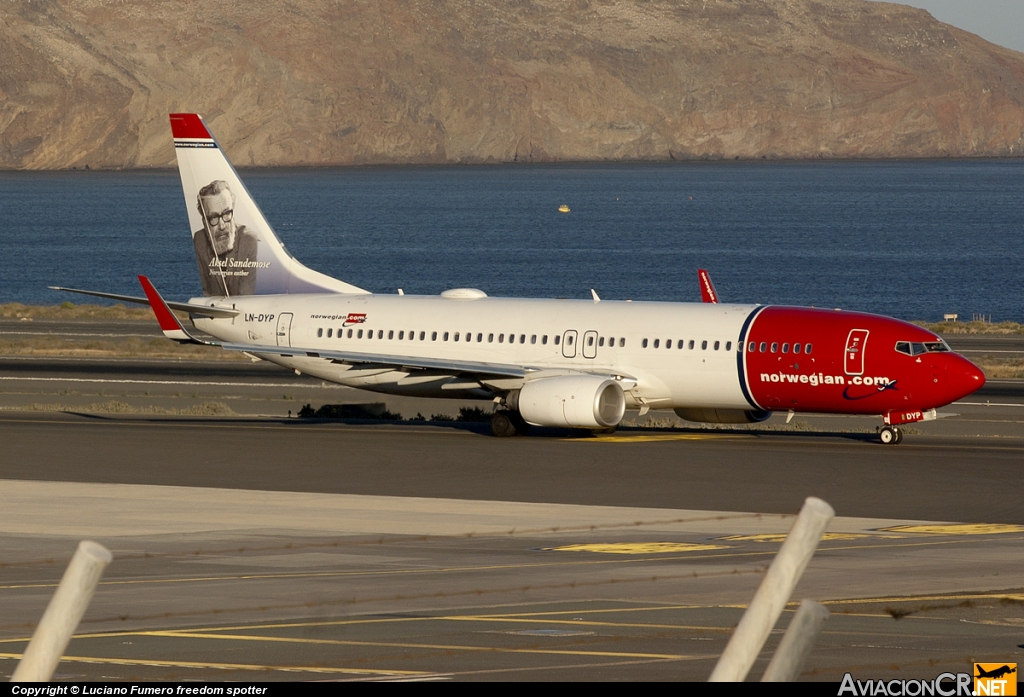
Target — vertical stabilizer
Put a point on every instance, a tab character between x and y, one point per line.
236	249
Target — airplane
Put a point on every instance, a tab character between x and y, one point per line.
551	363
995	673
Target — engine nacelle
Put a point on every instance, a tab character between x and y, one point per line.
722	416
573	401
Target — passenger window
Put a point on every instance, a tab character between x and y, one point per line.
330	333
544	339
717	344
600	342
728	346
785	348
501	338
656	342
775	347
752	347
570	340
533	339
456	337
423	336
360	336
763	347
644	344
590	341
522	338
622	342
680	344
445	337
558	338
401	335
511	338
433	336
796	348
349	333
369	334
704	345
690	345
380	333
391	334
479	338
807	349
320	332
490	338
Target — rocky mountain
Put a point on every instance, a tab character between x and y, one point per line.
317	82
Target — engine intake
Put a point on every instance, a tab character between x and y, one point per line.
573	401
722	416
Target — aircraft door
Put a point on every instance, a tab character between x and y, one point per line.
569	344
590	344
284	329
853	357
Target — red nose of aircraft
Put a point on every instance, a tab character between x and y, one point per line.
962	378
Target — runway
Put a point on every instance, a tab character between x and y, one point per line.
254	546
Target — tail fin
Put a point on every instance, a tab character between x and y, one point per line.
236	249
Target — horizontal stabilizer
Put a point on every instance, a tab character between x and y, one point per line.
169	324
203	310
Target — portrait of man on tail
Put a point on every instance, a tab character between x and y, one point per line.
225	251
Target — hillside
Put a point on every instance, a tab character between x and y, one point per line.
316	82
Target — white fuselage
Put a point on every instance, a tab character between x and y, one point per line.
637	340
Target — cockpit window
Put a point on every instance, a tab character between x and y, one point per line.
916	348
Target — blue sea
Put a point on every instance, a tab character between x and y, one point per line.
911	239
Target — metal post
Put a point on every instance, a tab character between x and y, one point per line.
797	643
773	593
63	613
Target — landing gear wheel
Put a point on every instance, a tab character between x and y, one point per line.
890	435
502	425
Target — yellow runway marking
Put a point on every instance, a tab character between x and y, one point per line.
781	536
636	547
958	529
654	438
587	623
227	666
409	645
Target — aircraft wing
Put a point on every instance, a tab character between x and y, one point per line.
173	329
181	307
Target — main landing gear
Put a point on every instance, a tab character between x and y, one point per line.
890	435
505	423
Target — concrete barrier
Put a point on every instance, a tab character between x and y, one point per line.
774	592
63	613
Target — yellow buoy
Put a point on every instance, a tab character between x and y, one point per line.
563	208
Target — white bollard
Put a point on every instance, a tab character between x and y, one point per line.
63	613
796	644
773	593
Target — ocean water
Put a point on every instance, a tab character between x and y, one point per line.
911	239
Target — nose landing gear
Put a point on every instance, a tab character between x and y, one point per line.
890	435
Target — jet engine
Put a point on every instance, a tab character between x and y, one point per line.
722	416
573	401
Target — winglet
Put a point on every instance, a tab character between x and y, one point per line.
707	289
169	324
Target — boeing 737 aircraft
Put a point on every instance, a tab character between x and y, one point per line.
561	363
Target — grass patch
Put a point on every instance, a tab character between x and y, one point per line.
116	407
69	310
973	327
127	347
